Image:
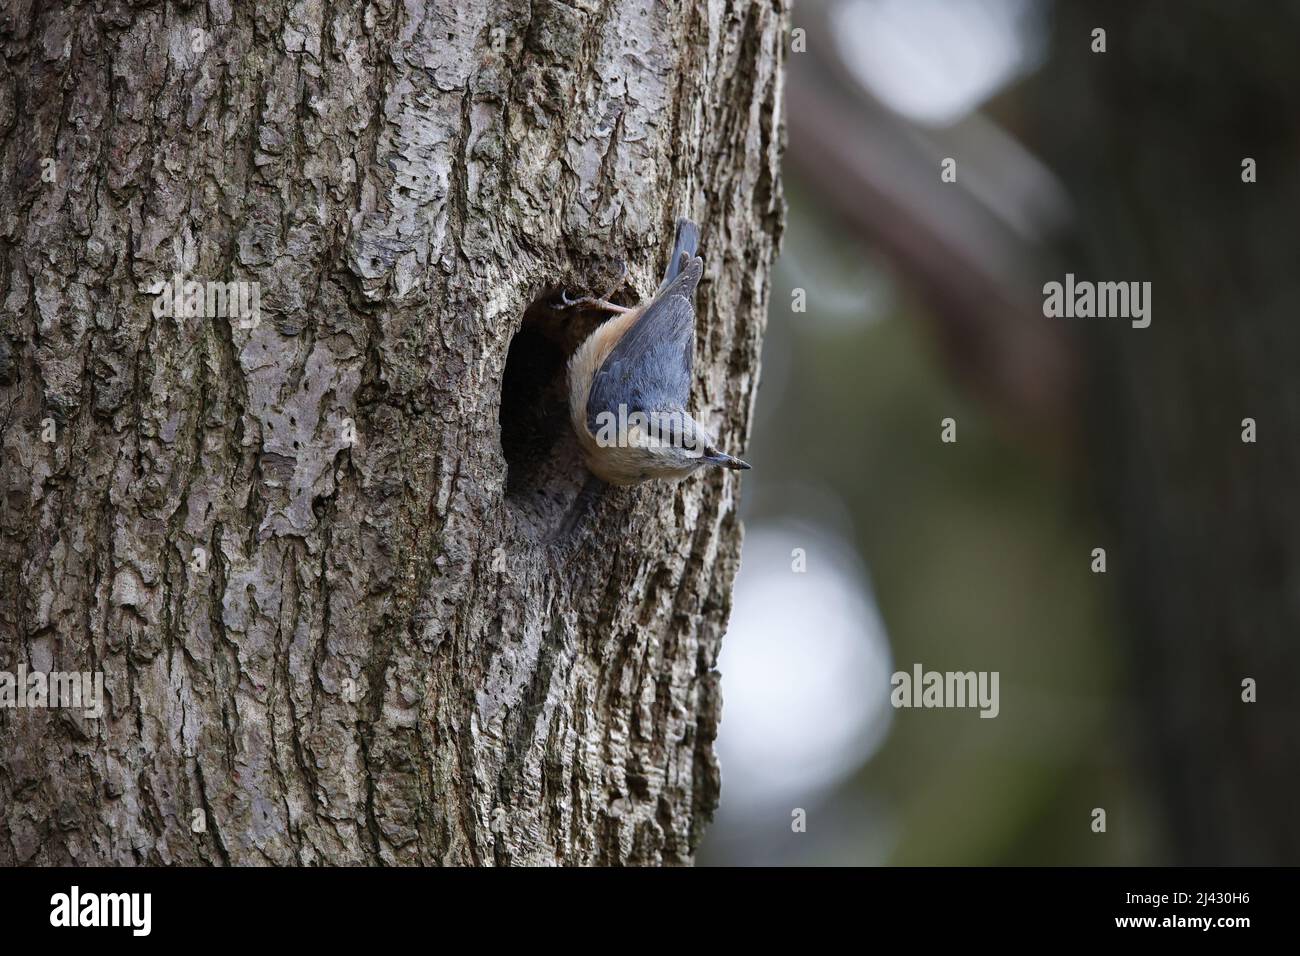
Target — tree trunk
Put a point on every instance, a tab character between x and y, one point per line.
335	568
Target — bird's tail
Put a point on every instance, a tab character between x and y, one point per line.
688	241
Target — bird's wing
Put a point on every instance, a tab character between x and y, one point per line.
650	367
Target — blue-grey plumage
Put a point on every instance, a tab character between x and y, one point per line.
649	368
630	382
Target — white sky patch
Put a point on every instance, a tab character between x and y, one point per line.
805	670
934	61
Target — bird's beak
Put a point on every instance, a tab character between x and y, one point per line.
723	460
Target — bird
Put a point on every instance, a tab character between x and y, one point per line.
630	381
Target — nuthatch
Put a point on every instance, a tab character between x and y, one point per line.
630	381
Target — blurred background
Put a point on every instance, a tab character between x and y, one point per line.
900	300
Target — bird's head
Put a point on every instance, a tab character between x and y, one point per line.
672	444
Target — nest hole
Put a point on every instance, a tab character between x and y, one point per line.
545	473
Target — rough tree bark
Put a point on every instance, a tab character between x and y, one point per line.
534	680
